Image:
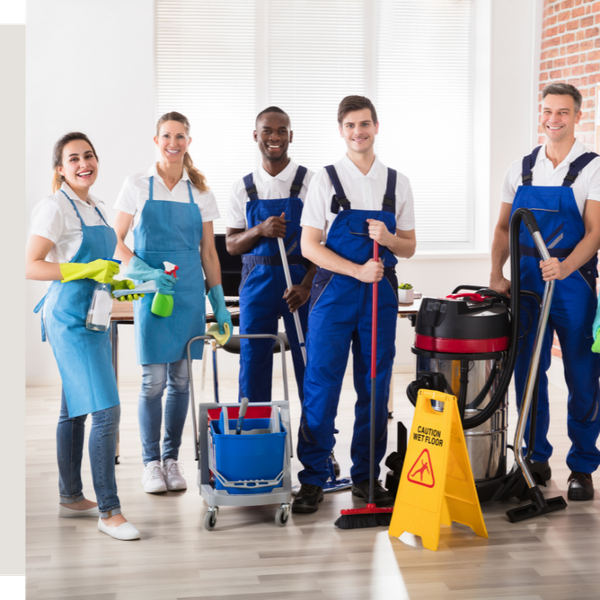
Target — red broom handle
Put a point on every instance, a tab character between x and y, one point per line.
374	317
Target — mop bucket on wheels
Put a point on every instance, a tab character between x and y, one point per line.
247	469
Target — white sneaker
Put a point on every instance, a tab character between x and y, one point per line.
125	531
153	478
173	475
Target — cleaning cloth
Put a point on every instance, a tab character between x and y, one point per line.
222	338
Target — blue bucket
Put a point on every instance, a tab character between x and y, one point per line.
240	458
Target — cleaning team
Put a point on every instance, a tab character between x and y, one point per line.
329	222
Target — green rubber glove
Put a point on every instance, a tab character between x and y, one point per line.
596	346
99	270
125	284
217	301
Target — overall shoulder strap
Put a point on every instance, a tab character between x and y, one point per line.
298	180
190	192
151	188
339	199
75	208
389	200
250	187
528	163
577	166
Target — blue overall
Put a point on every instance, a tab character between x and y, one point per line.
571	316
340	317
262	288
170	231
83	356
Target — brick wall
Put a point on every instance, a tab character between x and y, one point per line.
571	54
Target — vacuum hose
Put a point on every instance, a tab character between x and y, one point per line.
525	215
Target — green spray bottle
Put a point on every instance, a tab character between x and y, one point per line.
162	305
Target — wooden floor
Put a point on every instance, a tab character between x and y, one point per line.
555	557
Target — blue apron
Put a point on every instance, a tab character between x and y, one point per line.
340	317
83	356
170	231
262	288
571	316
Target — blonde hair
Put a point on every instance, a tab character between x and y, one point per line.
58	179
196	177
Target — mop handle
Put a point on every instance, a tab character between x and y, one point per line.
374	317
288	280
373	381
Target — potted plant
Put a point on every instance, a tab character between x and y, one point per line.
406	294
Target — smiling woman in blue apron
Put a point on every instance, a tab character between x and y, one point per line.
170	210
68	245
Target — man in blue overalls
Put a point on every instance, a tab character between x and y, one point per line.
560	183
348	206
263	206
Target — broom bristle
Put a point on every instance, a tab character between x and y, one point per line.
363	521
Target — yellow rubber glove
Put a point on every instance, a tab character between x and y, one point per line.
99	270
125	284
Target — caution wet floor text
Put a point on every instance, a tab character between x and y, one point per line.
436	486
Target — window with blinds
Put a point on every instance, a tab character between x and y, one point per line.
221	62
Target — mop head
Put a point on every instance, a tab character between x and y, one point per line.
361	518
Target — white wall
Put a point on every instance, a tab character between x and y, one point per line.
90	67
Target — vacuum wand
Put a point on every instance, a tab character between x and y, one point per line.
288	280
535	357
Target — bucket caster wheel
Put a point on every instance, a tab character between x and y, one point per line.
282	515
210	520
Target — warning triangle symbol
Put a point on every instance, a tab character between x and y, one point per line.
421	472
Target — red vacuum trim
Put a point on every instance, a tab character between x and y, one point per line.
425	342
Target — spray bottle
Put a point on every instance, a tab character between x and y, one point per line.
98	316
162	305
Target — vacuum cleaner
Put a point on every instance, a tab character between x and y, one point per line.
466	345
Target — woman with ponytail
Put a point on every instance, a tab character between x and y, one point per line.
70	246
170	210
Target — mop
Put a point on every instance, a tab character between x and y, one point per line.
333	484
371	515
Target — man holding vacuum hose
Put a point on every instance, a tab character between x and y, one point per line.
348	206
560	183
263	206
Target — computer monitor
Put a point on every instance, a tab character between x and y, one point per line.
231	268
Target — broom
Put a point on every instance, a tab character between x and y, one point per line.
371	515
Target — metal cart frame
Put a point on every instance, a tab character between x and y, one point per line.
214	497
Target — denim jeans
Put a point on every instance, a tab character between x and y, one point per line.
155	378
102	449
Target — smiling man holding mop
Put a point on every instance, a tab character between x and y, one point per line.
263	206
349	206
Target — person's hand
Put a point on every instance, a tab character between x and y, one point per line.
553	269
138	269
222	315
500	284
99	270
125	284
379	232
273	227
370	272
296	296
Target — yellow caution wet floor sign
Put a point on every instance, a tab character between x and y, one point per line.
436	486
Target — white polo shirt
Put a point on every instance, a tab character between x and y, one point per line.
267	188
54	219
585	187
136	190
365	192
